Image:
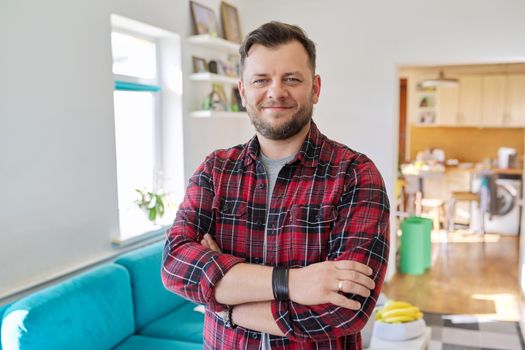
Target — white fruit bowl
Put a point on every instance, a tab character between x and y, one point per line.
399	331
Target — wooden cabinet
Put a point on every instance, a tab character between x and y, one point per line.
493	104
447	105
489	100
469	106
515	101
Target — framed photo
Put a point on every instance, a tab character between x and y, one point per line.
199	65
231	23
203	19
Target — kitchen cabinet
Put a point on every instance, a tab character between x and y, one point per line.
515	101
469	106
490	100
447	105
493	100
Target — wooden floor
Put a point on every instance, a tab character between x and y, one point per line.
467	277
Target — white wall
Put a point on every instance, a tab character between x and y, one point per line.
58	203
57	159
360	44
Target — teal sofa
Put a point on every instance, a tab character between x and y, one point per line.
121	305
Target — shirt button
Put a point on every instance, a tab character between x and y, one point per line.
255	336
258	222
261	186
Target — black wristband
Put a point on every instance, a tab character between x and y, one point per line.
229	319
280	284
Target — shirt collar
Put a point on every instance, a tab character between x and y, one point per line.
308	155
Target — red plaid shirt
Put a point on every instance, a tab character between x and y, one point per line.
329	203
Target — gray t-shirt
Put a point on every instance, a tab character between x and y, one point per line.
272	167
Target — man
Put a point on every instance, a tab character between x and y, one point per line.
284	239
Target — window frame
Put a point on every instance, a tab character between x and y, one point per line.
169	132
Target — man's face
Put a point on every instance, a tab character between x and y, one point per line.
278	89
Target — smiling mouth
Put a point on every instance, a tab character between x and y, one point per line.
276	107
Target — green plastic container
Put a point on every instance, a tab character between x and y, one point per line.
415	245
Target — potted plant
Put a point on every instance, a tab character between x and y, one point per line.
152	202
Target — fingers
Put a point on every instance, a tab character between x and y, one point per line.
354	288
210	243
342	301
353	265
356	278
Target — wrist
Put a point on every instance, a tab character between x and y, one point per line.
229	318
280	278
292	278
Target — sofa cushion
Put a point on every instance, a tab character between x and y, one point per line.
138	342
150	298
2	310
182	324
91	311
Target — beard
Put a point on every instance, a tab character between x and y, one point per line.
285	130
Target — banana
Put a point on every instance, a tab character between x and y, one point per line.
399	319
392	304
398	311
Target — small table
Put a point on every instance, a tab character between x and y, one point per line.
420	343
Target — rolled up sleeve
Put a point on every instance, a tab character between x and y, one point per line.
188	268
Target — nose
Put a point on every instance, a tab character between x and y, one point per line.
277	91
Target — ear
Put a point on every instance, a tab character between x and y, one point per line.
316	88
240	86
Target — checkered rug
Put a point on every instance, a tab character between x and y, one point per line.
467	332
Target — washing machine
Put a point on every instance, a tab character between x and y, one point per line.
506	218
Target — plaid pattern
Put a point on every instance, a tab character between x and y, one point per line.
329	203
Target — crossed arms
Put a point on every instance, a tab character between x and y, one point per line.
195	267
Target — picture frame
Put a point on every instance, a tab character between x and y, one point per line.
230	23
204	20
199	65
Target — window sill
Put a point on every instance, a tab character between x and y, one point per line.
152	236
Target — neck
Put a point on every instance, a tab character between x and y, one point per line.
279	149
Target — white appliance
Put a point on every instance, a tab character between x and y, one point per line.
507	219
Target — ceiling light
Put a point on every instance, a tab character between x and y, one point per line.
441	81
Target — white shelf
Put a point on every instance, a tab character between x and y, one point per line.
213	78
217	114
208	41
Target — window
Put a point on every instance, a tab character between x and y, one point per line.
141	129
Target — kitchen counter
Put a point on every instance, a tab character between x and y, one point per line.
473	169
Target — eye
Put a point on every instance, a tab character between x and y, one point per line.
259	81
292	80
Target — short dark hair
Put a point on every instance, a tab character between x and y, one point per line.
274	34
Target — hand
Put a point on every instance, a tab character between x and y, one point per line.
322	283
210	243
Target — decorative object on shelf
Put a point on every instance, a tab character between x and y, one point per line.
231	23
427	117
216	99
427	101
229	68
237	101
203	19
152	202
213	67
199	65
